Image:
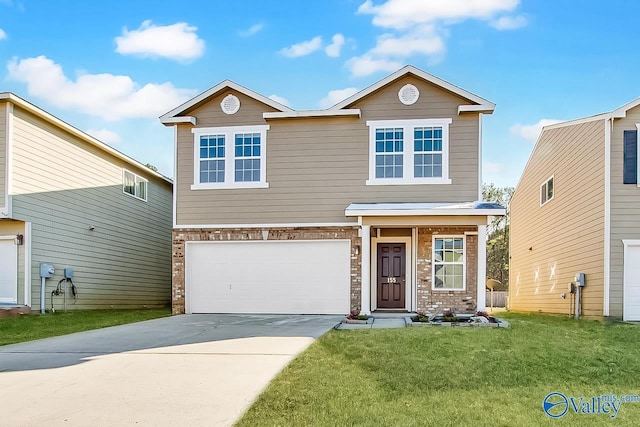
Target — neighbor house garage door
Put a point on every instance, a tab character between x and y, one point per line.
631	292
284	277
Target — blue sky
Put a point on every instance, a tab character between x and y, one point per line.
111	68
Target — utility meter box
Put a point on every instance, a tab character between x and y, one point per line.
580	280
68	273
46	270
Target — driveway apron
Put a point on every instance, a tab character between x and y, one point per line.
199	370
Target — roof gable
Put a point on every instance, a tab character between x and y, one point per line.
175	115
478	104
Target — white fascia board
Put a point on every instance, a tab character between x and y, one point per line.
214	90
603	116
621	112
485	109
311	113
410	69
16	100
424	212
180	119
271	225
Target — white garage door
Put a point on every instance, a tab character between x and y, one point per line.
631	296
277	277
8	271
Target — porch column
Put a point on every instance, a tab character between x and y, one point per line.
482	268
365	273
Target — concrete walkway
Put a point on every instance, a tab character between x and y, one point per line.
196	370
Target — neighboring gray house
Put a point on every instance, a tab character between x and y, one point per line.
576	210
72	201
366	205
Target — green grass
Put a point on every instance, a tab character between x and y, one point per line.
34	326
455	376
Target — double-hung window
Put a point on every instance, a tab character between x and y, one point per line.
409	151
230	157
449	263
546	191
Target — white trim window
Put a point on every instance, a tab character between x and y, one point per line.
449	267
134	185
546	191
408	152
230	157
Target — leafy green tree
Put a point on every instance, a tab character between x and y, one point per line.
498	235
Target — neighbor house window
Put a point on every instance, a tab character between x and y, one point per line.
449	263
230	157
409	152
546	191
134	185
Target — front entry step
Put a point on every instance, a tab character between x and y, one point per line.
376	323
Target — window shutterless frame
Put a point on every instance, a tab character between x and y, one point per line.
383	161
134	185
252	164
447	263
547	191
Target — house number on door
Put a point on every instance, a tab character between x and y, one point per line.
391	280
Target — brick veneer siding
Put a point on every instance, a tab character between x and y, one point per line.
181	236
436	301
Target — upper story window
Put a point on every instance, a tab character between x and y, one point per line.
134	185
230	157
546	191
409	151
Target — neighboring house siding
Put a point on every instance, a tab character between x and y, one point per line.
566	235
3	153
63	186
317	167
625	210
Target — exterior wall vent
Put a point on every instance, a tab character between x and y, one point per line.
230	104
408	94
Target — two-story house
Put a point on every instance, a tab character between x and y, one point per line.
575	210
72	202
370	204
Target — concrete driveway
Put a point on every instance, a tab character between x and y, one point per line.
200	370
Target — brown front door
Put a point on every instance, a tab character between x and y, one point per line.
391	275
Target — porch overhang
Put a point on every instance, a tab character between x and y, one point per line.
424	209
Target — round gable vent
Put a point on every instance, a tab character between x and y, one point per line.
408	94
230	104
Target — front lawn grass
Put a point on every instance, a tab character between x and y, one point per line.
456	376
34	326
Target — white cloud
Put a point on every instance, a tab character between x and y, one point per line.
251	30
3	35
423	41
109	96
281	100
302	48
335	96
178	41
333	50
531	132
509	22
404	14
105	135
366	64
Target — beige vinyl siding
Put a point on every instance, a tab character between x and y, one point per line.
13	228
566	235
317	167
3	153
625	210
63	186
